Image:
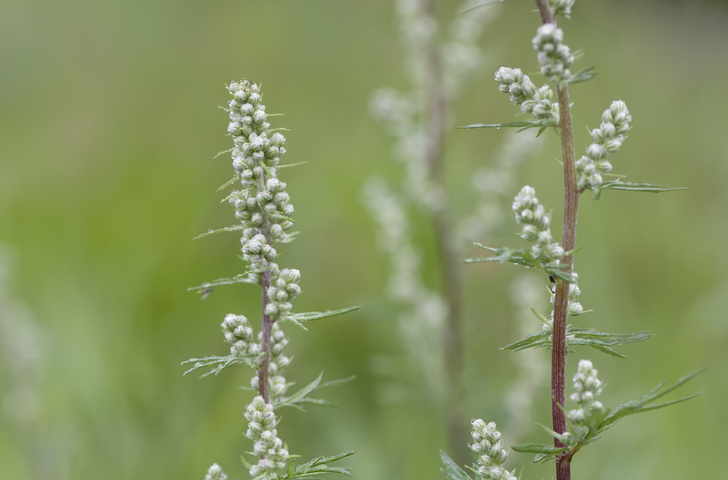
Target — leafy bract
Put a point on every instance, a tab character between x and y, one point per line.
523	257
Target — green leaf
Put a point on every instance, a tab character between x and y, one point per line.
451	469
515	124
292	165
309	316
634	187
539	448
234	228
217	364
483	4
207	286
602	341
582	76
301	397
536	340
642	404
319	466
523	257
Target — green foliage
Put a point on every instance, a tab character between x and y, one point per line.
451	469
316	467
581	336
519	256
599	424
301	397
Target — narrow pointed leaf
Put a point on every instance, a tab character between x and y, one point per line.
451	469
638	187
307	317
536	340
582	76
515	124
234	228
539	448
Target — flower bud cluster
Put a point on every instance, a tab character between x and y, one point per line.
561	7
606	139
282	292
215	473
589	410
555	57
536	224
523	92
239	334
487	445
276	364
272	454
262	204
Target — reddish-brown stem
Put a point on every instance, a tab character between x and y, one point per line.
568	241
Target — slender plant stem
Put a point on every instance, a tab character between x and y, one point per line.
568	241
267	323
449	263
266	332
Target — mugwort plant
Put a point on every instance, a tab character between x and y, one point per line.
577	424
264	210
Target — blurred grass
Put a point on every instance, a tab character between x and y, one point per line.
109	126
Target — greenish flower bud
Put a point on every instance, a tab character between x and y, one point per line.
555	57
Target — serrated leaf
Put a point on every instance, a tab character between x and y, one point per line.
641	404
451	469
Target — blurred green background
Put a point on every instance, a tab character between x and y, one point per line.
109	123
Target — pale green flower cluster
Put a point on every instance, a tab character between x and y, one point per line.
261	204
277	363
555	57
239	335
589	411
269	449
525	95
215	473
491	456
536	226
606	139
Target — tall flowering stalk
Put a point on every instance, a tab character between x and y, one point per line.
263	207
550	108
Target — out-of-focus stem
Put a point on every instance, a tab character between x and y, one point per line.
568	241
449	262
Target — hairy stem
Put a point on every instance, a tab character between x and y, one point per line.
449	263
568	241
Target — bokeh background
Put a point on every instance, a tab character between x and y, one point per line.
109	124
